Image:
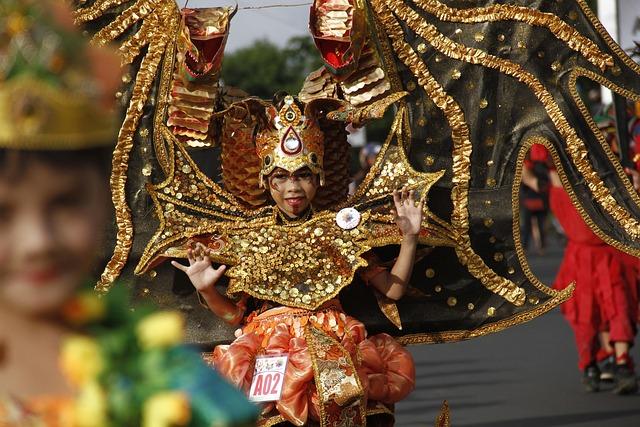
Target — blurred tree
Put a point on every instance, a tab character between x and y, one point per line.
302	57
264	69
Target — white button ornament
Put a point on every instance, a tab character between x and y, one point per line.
348	218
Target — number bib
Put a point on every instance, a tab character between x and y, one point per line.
268	378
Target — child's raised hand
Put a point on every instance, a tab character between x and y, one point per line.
407	212
202	275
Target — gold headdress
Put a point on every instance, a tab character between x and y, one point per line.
49	98
290	141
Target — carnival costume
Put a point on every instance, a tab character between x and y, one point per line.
472	86
606	296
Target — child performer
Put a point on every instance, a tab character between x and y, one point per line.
384	370
56	137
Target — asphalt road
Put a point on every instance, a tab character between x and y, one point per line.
522	377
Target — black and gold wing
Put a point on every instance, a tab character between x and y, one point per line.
145	31
172	60
486	80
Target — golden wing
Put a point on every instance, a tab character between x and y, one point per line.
173	60
190	205
146	32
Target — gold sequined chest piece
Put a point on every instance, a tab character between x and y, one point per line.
301	266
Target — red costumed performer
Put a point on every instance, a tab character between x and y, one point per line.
606	294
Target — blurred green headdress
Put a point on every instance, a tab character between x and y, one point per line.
50	99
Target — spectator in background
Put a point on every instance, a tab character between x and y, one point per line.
367	157
56	135
535	201
60	348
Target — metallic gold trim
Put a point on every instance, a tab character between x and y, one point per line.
313	336
385	51
502	12
576	203
444	417
615	161
381	409
453	336
377	165
607	38
157	34
271	421
164	152
120	165
575	146
461	157
515	207
131	47
35	115
96	10
139	11
389	308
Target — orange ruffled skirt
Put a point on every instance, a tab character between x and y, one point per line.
384	368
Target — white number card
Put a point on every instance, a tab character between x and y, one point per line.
268	378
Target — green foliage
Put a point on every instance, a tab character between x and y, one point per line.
264	69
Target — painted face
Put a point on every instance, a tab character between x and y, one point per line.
293	192
51	227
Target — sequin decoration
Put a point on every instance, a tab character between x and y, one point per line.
289	265
303	265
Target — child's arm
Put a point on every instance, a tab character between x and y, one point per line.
204	277
408	216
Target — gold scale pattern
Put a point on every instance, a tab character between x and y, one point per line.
240	163
366	84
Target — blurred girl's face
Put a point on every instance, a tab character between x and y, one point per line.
293	192
52	221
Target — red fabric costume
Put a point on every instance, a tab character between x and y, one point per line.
383	367
606	295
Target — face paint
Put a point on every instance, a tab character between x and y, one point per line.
293	192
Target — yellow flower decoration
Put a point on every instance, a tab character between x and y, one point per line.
91	406
167	409
162	329
16	24
81	360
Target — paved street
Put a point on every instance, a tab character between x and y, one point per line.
523	377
